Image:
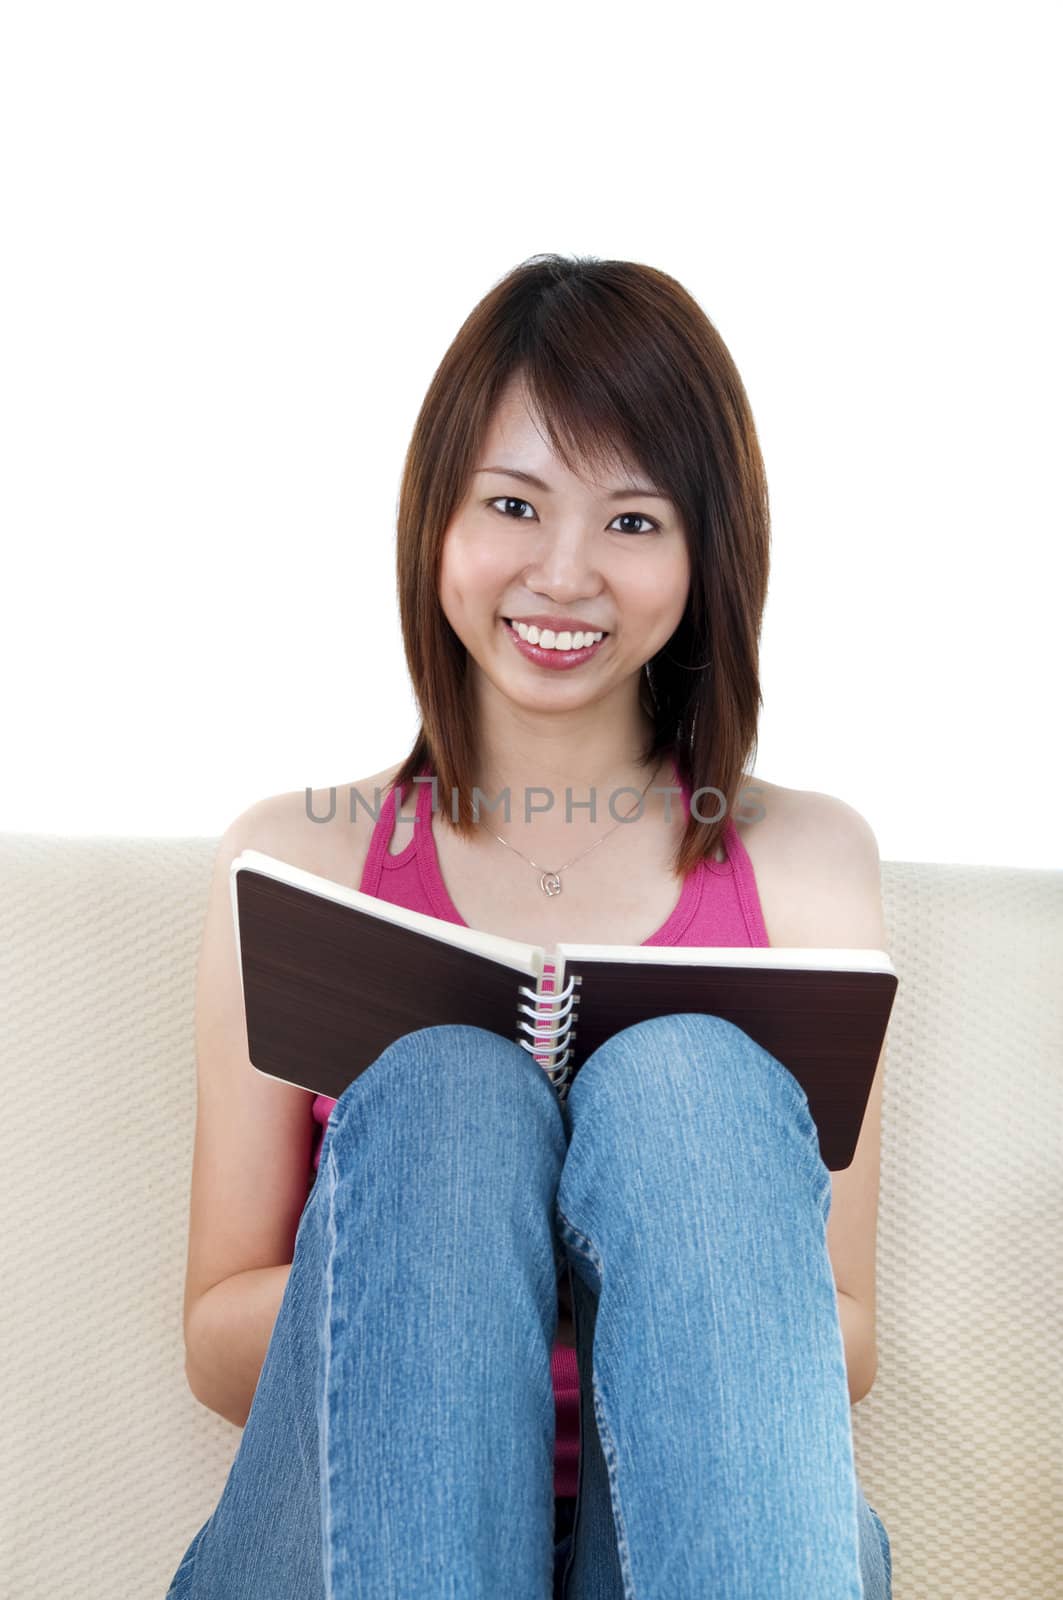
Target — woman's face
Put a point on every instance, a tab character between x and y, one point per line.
582	551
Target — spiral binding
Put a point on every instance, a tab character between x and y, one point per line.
546	1026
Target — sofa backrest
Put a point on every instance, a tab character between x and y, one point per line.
111	1465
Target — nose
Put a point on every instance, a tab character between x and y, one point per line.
564	567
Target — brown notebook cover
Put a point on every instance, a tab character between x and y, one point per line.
332	976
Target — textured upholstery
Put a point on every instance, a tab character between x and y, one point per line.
110	1465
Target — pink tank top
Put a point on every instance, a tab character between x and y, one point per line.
718	905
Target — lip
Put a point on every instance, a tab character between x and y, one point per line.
558	660
559	624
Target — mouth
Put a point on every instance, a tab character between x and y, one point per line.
511	623
549	655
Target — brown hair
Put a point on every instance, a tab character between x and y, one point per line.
619	361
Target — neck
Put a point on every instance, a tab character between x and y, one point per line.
541	769
593	748
551	803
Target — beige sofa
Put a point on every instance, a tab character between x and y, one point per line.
110	1465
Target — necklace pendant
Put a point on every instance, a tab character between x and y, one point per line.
550	883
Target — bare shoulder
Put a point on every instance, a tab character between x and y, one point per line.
786	819
816	862
326	830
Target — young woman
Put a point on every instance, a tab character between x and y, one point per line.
602	1346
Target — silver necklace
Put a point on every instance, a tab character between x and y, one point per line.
550	882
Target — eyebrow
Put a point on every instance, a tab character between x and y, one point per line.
616	494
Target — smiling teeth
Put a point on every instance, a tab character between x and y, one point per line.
548	640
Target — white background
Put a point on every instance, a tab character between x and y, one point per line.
238	240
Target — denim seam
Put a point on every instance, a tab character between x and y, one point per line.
584	1247
188	1564
887	1554
806	1125
576	1243
323	1421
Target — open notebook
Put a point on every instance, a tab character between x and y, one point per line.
332	976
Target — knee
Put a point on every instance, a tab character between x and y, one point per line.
694	1100
692	1058
457	1111
444	1074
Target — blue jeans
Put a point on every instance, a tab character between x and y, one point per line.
400	1443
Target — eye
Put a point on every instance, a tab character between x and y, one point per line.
627	516
508	501
637	516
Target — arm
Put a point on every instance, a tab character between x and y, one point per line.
858	1336
229	1329
828	857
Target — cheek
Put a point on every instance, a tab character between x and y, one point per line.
681	585
472	565
471	581
660	588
